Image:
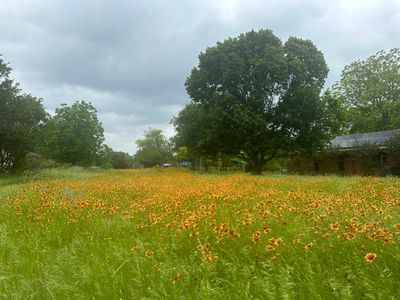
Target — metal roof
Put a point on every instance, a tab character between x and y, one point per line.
377	138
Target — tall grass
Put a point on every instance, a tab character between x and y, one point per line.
166	234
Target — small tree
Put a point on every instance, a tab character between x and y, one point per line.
121	160
74	134
153	149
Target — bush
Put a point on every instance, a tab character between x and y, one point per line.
35	161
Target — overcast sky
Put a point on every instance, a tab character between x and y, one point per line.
131	58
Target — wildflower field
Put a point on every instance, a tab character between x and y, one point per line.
173	234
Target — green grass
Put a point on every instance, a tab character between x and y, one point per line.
84	234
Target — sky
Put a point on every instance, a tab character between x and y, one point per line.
130	58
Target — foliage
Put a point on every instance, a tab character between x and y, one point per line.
182	154
108	158
104	157
193	133
393	143
255	98
371	90
74	134
21	117
153	149
141	234
335	114
35	162
121	160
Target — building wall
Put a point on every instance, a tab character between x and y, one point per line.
347	164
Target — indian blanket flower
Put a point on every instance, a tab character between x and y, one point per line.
370	257
211	257
194	234
266	229
269	248
309	245
256	237
335	226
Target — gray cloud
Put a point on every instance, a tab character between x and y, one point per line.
131	58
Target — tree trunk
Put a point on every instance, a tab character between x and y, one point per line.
257	168
205	165
193	164
257	163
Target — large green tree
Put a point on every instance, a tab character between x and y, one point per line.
21	117
153	149
255	98
371	90
74	134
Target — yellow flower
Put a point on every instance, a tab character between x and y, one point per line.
176	278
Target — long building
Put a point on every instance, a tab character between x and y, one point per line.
367	154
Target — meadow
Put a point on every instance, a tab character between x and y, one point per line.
174	234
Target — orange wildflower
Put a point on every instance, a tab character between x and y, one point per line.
354	219
234	234
388	217
309	245
211	257
149	254
266	229
256	237
335	226
194	234
370	257
350	236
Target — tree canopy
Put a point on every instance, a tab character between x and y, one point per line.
371	90
21	117
74	134
153	149
121	160
255	98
